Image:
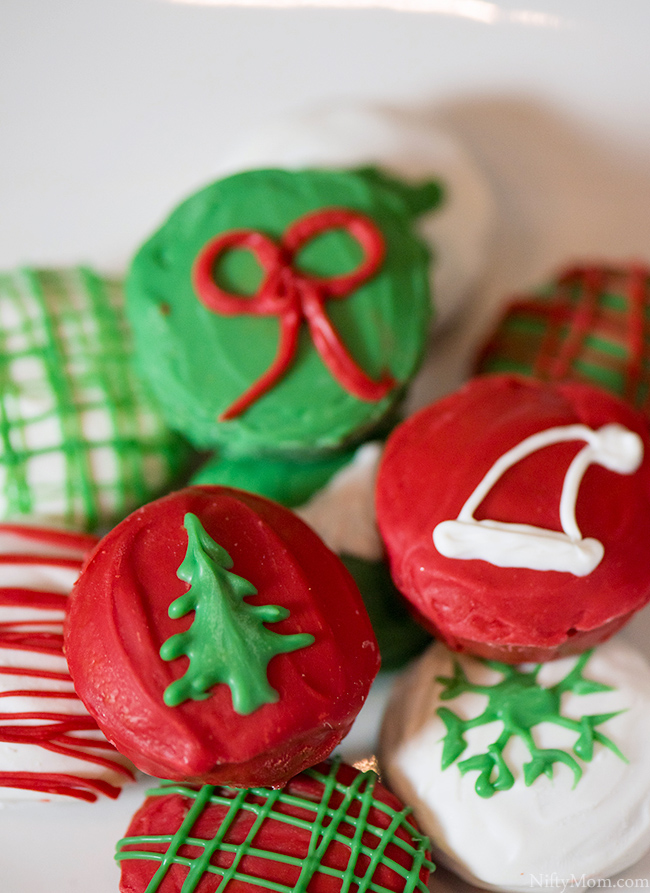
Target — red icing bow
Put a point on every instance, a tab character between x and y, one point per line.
294	296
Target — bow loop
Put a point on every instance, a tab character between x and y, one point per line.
295	295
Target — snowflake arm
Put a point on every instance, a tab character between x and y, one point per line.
520	703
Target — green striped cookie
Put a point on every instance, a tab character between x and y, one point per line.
81	444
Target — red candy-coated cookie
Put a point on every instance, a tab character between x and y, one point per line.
498	589
265	663
330	828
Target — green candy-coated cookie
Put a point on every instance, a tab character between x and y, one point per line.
288	481
200	361
81	441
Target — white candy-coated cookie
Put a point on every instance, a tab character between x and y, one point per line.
50	748
556	829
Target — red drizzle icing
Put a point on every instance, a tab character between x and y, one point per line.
60	733
295	296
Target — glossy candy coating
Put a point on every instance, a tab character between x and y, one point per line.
201	361
435	460
119	621
286	480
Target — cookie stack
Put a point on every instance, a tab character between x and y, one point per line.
515	513
222	646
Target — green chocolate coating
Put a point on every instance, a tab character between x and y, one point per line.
289	481
198	361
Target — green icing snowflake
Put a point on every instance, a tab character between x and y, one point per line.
520	703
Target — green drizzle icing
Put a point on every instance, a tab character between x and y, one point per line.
329	826
227	641
520	703
80	438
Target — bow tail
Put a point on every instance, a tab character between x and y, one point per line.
289	326
337	359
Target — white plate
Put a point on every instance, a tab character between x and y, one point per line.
112	111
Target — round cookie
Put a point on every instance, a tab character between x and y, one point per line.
294	655
408	144
525	776
515	513
81	442
331	828
50	748
589	324
281	311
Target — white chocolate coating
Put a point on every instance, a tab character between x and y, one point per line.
28	695
407	145
549	830
81	441
343	512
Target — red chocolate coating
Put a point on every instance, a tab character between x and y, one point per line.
118	621
331	828
432	464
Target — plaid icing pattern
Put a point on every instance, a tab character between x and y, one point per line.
345	821
81	443
592	325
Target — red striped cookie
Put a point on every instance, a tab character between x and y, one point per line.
49	745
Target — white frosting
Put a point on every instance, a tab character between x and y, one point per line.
410	146
20	541
23	573
343	512
508	544
549	830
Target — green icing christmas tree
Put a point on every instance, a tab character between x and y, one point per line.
520	703
227	641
